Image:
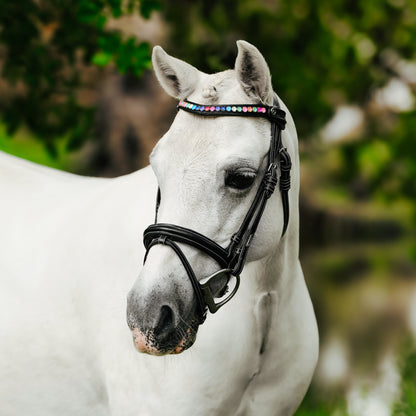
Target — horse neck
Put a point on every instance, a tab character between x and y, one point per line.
280	270
283	264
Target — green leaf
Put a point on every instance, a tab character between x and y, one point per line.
102	58
148	6
76	140
101	21
51	149
115	7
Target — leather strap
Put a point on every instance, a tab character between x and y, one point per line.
194	281
189	237
232	258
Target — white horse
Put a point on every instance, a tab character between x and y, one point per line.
71	250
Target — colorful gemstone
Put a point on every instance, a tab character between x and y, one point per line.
239	109
250	109
255	109
222	108
228	108
212	108
244	109
206	108
233	109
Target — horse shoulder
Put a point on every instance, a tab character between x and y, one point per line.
284	356
63	244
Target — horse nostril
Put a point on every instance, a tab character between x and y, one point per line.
166	318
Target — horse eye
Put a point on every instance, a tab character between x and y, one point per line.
240	179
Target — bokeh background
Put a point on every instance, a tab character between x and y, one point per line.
77	93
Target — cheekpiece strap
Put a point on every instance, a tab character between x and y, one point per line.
272	113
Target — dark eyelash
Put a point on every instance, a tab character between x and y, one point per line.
240	179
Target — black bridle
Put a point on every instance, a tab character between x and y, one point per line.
232	258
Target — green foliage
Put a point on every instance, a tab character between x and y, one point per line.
317	404
48	46
384	163
26	146
322	53
406	406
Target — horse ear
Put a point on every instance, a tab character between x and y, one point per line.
253	73
177	78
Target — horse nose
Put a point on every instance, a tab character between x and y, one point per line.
146	314
166	323
163	320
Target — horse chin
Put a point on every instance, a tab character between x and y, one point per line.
146	341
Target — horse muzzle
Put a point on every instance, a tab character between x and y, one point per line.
160	327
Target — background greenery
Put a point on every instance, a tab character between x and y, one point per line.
47	46
321	53
358	193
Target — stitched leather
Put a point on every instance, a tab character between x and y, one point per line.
187	236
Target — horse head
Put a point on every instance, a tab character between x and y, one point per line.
209	170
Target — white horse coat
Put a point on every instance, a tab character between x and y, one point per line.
71	249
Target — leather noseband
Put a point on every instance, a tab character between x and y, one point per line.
230	259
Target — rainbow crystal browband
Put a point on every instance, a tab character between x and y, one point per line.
272	113
184	105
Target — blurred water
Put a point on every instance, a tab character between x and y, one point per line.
365	301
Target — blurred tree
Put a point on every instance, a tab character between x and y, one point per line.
406	405
322	54
46	48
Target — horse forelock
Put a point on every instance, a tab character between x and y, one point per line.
222	87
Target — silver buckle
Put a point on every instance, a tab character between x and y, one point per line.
211	301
